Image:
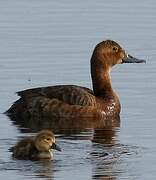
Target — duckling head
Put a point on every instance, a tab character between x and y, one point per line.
109	53
45	141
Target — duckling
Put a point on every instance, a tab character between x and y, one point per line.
76	101
35	148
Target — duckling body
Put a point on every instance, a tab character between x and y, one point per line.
77	101
35	148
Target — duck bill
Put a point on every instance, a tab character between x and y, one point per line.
131	59
56	147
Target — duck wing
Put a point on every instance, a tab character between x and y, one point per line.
61	100
70	94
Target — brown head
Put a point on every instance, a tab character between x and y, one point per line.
108	53
105	55
45	141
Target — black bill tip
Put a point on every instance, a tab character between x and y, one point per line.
130	59
56	147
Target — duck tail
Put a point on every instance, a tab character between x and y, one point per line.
16	108
11	149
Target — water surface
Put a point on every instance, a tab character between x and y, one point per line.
50	42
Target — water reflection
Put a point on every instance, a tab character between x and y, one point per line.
103	153
104	161
109	156
57	124
41	169
104	178
100	132
89	145
45	169
105	136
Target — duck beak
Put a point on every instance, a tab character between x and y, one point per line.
55	146
130	59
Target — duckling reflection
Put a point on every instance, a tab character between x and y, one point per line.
45	169
36	148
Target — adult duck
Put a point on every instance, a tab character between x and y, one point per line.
77	101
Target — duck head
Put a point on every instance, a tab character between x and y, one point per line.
109	53
45	141
105	55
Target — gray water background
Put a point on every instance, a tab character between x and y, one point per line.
50	42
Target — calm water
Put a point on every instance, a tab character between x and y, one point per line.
50	42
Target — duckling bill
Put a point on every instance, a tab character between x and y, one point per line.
36	148
73	101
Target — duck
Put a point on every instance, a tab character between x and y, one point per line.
36	148
77	101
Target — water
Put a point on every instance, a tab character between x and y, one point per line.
50	42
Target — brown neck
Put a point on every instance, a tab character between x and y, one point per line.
101	78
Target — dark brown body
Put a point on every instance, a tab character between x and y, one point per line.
64	101
76	101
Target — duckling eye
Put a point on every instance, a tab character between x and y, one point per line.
48	139
115	49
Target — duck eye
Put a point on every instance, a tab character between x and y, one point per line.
48	139
115	49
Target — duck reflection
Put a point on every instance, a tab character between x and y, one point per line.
67	125
104	136
104	177
103	156
101	132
